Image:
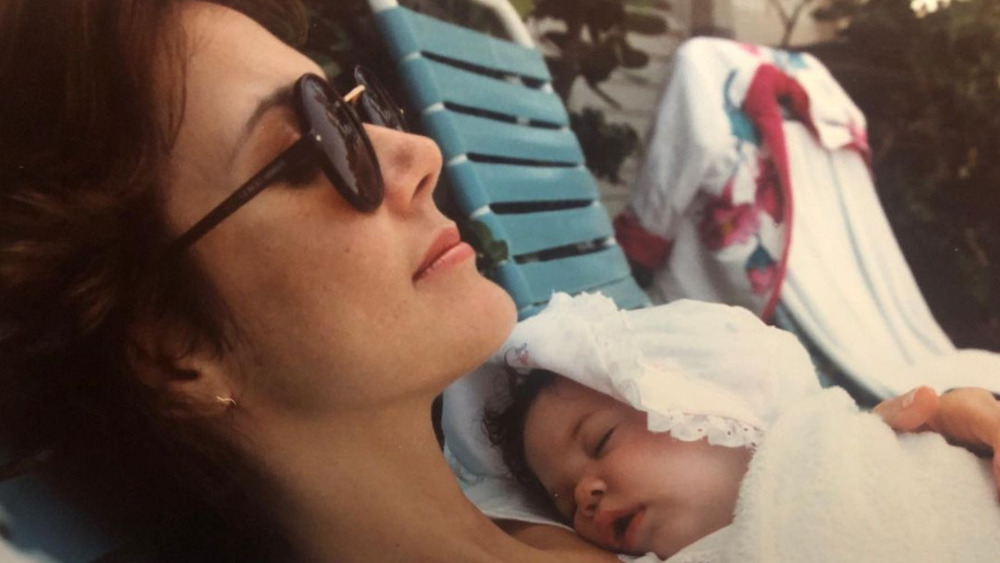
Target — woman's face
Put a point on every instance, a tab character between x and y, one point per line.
623	487
335	307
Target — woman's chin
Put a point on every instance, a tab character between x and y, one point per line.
488	319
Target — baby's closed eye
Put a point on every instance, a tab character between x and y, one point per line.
601	445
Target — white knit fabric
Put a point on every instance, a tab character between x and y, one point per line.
831	484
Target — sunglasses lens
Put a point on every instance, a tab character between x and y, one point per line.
376	105
348	158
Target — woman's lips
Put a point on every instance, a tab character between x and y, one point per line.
446	250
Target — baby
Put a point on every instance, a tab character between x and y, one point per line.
658	478
623	487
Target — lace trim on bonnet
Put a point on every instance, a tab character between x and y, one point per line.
699	370
719	430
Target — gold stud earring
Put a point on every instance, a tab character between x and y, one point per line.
228	401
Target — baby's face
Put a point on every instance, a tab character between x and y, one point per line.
623	487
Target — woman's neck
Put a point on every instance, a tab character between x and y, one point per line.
372	485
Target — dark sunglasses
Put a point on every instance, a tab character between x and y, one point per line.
332	138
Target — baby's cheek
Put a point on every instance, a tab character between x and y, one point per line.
586	530
641	447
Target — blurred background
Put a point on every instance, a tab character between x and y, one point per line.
926	73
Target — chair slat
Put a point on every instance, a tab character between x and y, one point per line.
439	83
527	233
409	32
485	183
576	273
460	134
533	283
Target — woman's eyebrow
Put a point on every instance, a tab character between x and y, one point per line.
282	97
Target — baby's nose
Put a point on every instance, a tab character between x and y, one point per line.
588	494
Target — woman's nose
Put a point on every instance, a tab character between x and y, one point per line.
588	494
410	166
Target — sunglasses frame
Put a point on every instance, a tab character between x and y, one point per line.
311	145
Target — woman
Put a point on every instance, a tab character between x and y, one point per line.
276	369
260	383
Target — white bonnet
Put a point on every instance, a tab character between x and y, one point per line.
700	370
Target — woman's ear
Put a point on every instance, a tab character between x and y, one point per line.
190	378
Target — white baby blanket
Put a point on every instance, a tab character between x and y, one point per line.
834	485
831	484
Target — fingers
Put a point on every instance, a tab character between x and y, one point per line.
970	417
911	411
967	417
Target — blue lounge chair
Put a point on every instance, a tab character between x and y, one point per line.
511	161
39	522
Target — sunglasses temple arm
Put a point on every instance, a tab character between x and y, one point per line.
354	94
291	157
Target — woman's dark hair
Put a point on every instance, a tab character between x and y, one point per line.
82	150
504	425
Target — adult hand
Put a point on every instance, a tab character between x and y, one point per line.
967	417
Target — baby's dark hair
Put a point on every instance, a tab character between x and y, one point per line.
504	424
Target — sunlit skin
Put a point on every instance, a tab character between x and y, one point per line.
325	296
348	323
623	487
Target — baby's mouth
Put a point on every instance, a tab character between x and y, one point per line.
620	526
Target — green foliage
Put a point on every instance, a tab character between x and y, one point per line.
523	7
334	28
489	251
594	56
936	141
605	145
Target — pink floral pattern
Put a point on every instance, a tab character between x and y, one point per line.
724	223
859	137
762	271
768	197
